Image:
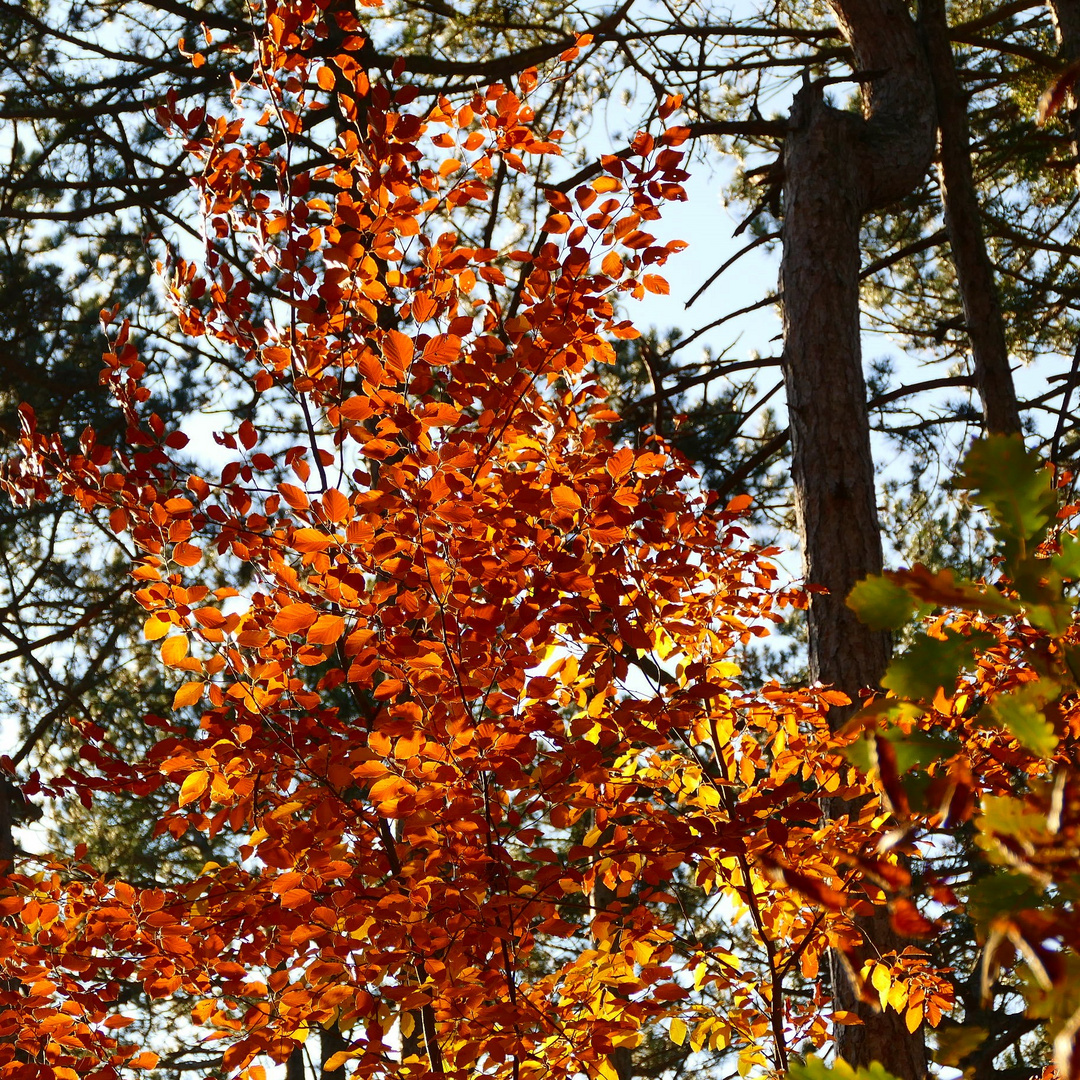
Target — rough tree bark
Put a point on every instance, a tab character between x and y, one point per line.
974	271
837	167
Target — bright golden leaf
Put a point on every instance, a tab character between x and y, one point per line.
174	649
193	786
188	694
156	627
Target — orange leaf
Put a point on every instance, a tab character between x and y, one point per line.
739	503
294	496
174	649
656	284
293	618
620	463
442	349
909	921
612	264
186	554
565	497
557	223
304	540
335	505
188	694
326	630
398	349
1057	93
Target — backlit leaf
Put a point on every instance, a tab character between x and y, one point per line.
293	618
174	649
193	786
326	630
188	694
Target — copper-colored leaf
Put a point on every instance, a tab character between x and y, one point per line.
335	505
326	630
565	497
293	618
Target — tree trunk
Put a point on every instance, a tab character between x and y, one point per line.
838	167
331	1041
294	1067
1066	17
974	271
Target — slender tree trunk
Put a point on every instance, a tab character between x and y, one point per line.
294	1067
974	271
1066	17
331	1040
838	167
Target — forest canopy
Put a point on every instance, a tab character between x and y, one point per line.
446	714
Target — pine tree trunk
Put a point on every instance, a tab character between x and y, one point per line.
837	167
1066	16
974	271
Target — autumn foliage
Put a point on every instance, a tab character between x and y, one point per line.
470	719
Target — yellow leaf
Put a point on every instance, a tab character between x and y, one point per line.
913	1018
335	1061
174	649
881	982
156	627
193	786
677	1031
188	694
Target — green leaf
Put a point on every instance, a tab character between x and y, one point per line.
956	1041
1067	561
1012	484
998	894
816	1069
861	754
916	749
881	604
1005	816
1020	712
912	751
932	664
